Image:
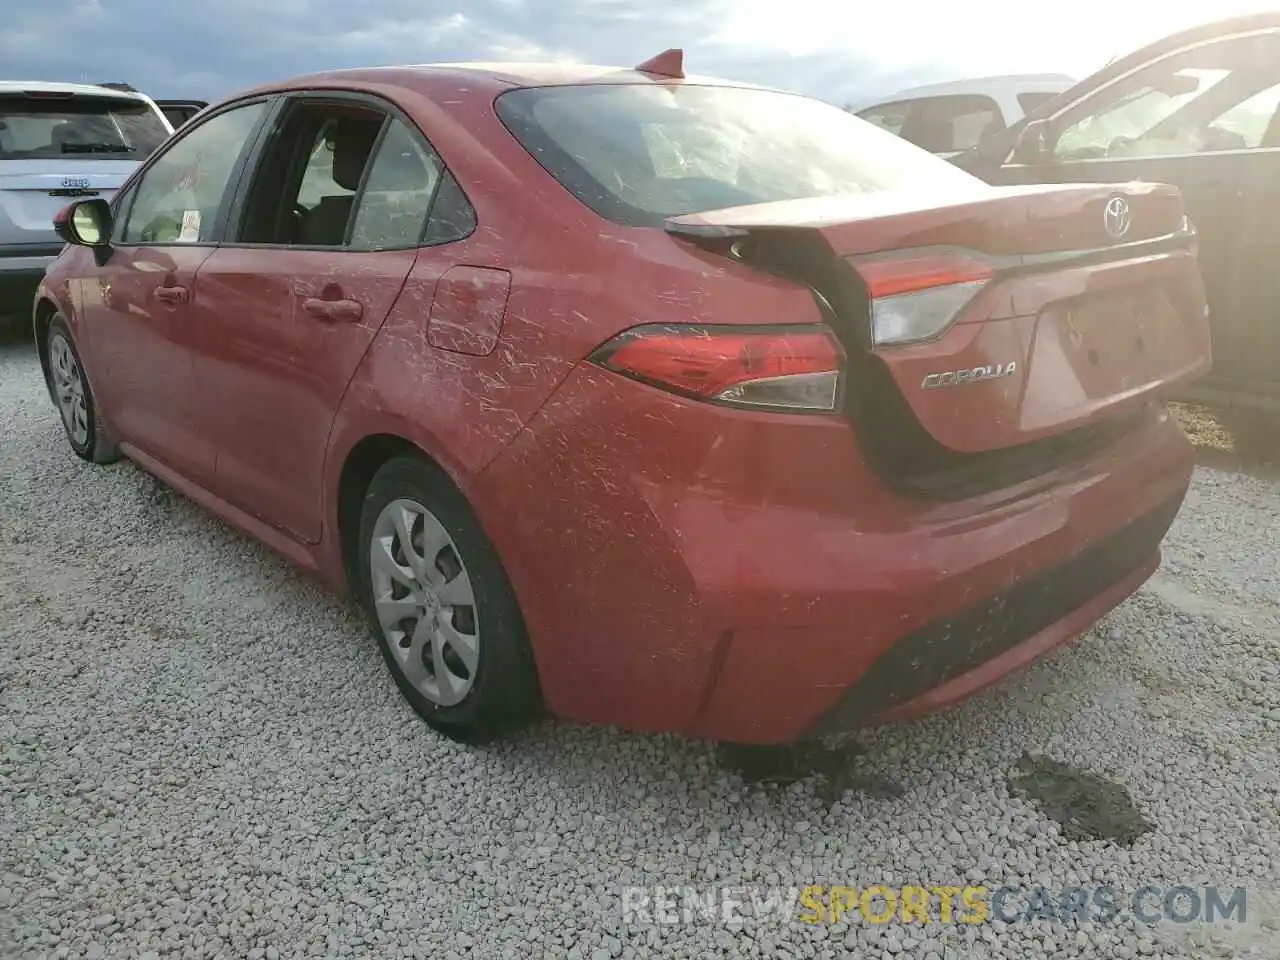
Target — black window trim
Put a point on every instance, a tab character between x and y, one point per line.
123	201
390	111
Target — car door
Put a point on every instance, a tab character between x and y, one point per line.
1202	117
141	323
321	244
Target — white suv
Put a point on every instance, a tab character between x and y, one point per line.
949	118
60	141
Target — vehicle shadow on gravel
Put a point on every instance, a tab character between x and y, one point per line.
1240	442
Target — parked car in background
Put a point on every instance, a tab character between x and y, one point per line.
1201	110
59	142
177	112
663	402
946	118
180	112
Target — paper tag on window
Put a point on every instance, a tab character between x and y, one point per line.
190	231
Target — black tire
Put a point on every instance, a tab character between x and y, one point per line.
96	446
504	695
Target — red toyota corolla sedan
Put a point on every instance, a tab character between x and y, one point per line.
649	400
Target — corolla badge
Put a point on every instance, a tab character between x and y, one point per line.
1116	217
958	378
75	183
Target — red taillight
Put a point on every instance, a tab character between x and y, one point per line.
916	295
796	368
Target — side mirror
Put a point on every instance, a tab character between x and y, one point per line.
1032	146
85	223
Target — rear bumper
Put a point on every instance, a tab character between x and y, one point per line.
748	578
954	656
27	257
22	266
984	674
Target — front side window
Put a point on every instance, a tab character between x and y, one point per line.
178	198
1186	103
640	153
37	125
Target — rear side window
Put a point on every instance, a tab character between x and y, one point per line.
888	116
951	123
343	174
397	192
637	154
38	126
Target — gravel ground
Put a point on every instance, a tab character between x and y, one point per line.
201	755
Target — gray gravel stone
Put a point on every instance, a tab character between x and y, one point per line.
201	755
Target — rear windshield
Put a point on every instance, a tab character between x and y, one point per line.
38	126
637	154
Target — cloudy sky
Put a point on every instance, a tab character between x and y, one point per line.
839	50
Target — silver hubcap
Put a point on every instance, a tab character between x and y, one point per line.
424	602
68	387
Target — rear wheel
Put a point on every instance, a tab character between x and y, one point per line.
441	606
74	398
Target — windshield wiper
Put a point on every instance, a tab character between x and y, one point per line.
96	148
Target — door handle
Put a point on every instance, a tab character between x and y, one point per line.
173	294
348	311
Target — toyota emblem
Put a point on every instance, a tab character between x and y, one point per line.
1115	217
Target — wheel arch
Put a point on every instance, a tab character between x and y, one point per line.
361	462
42	317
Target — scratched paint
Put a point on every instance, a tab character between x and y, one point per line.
680	565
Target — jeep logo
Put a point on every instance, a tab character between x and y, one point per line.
957	378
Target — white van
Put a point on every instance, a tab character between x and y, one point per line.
948	118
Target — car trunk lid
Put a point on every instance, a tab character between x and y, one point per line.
32	192
1000	317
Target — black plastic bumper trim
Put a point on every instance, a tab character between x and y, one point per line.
945	649
30	249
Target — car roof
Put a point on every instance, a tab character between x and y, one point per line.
1011	82
486	76
50	86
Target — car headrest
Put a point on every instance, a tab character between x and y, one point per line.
65	132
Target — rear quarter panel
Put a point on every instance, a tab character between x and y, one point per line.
576	281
